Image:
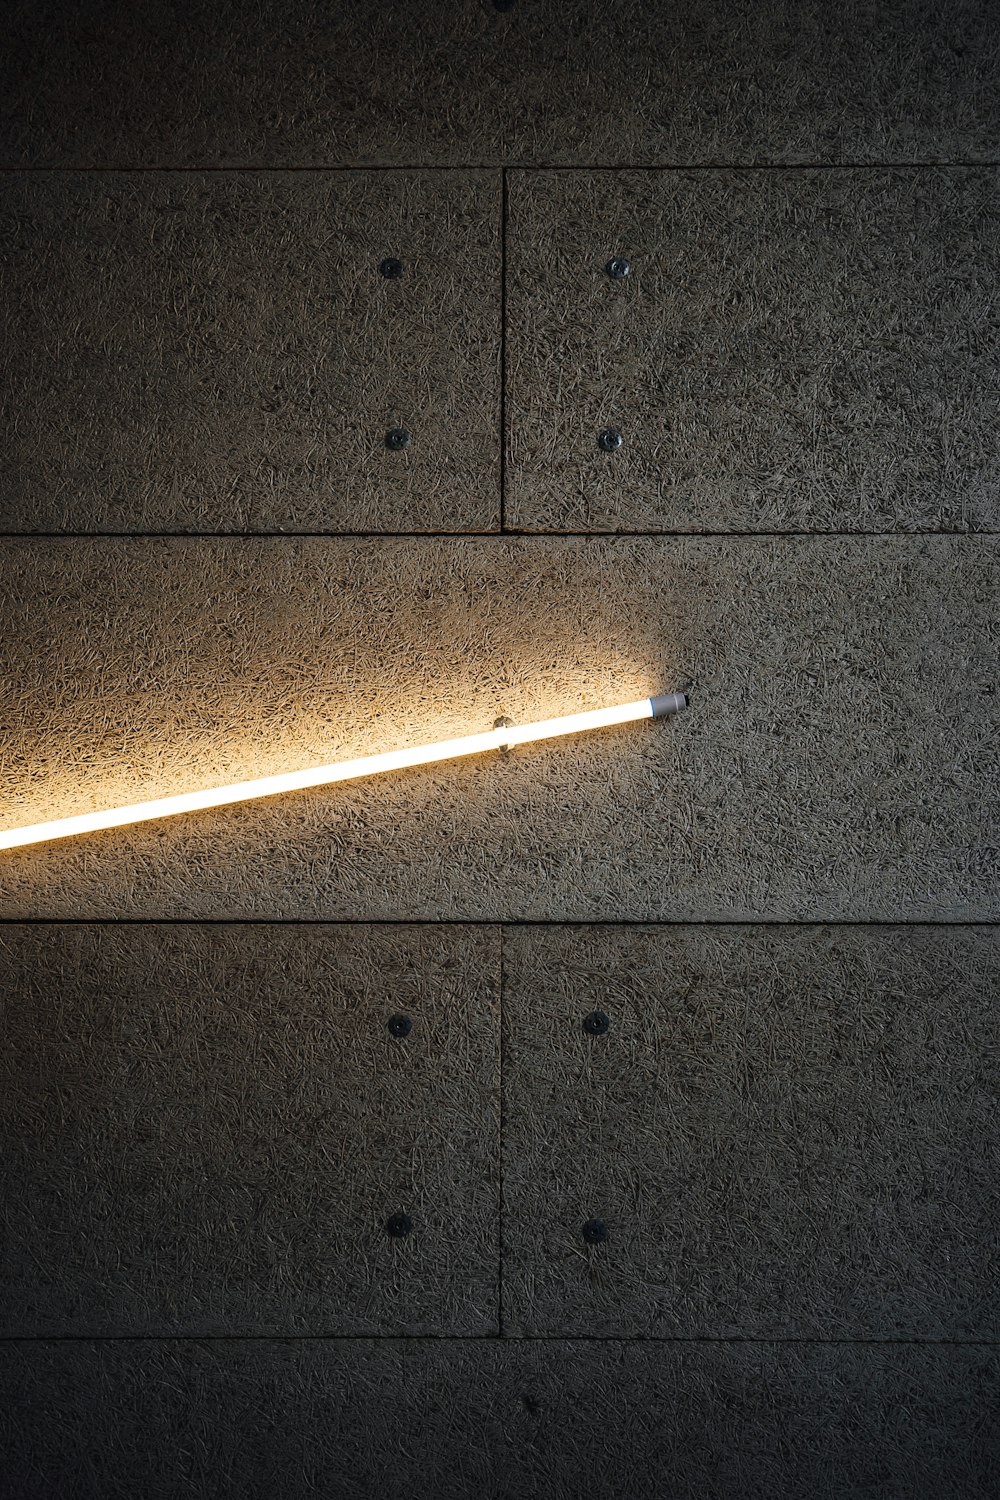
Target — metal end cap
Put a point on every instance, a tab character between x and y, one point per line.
668	703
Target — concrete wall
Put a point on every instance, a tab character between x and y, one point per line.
212	567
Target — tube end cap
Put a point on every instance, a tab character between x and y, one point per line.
668	703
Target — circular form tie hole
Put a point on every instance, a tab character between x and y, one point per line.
595	1231
597	1023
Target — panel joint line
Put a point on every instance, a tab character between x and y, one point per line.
504	218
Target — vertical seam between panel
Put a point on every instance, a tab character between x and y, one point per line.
500	1133
504	216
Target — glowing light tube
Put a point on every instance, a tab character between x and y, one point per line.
345	770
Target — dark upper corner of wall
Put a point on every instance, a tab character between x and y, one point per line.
440	84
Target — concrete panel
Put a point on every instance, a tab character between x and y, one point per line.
790	351
784	1132
207	1129
221	352
838	759
301	84
514	1420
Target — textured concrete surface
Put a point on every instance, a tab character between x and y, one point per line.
304	83
791	350
790	1125
504	1420
838	759
226	356
787	1132
206	1128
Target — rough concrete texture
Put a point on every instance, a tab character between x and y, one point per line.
506	1421
304	83
837	760
227	356
789	1127
205	1130
800	350
787	1132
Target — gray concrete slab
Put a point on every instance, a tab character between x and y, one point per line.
219	351
837	760
790	350
785	1132
300	84
498	1419
206	1130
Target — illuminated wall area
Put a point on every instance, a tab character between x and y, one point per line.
603	1113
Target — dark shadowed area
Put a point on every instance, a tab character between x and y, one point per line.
616	1117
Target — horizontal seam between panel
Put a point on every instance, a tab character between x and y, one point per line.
490	1338
641	922
519	166
507	535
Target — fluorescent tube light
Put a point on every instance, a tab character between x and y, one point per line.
346	770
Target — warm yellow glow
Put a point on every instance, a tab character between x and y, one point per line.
347	770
